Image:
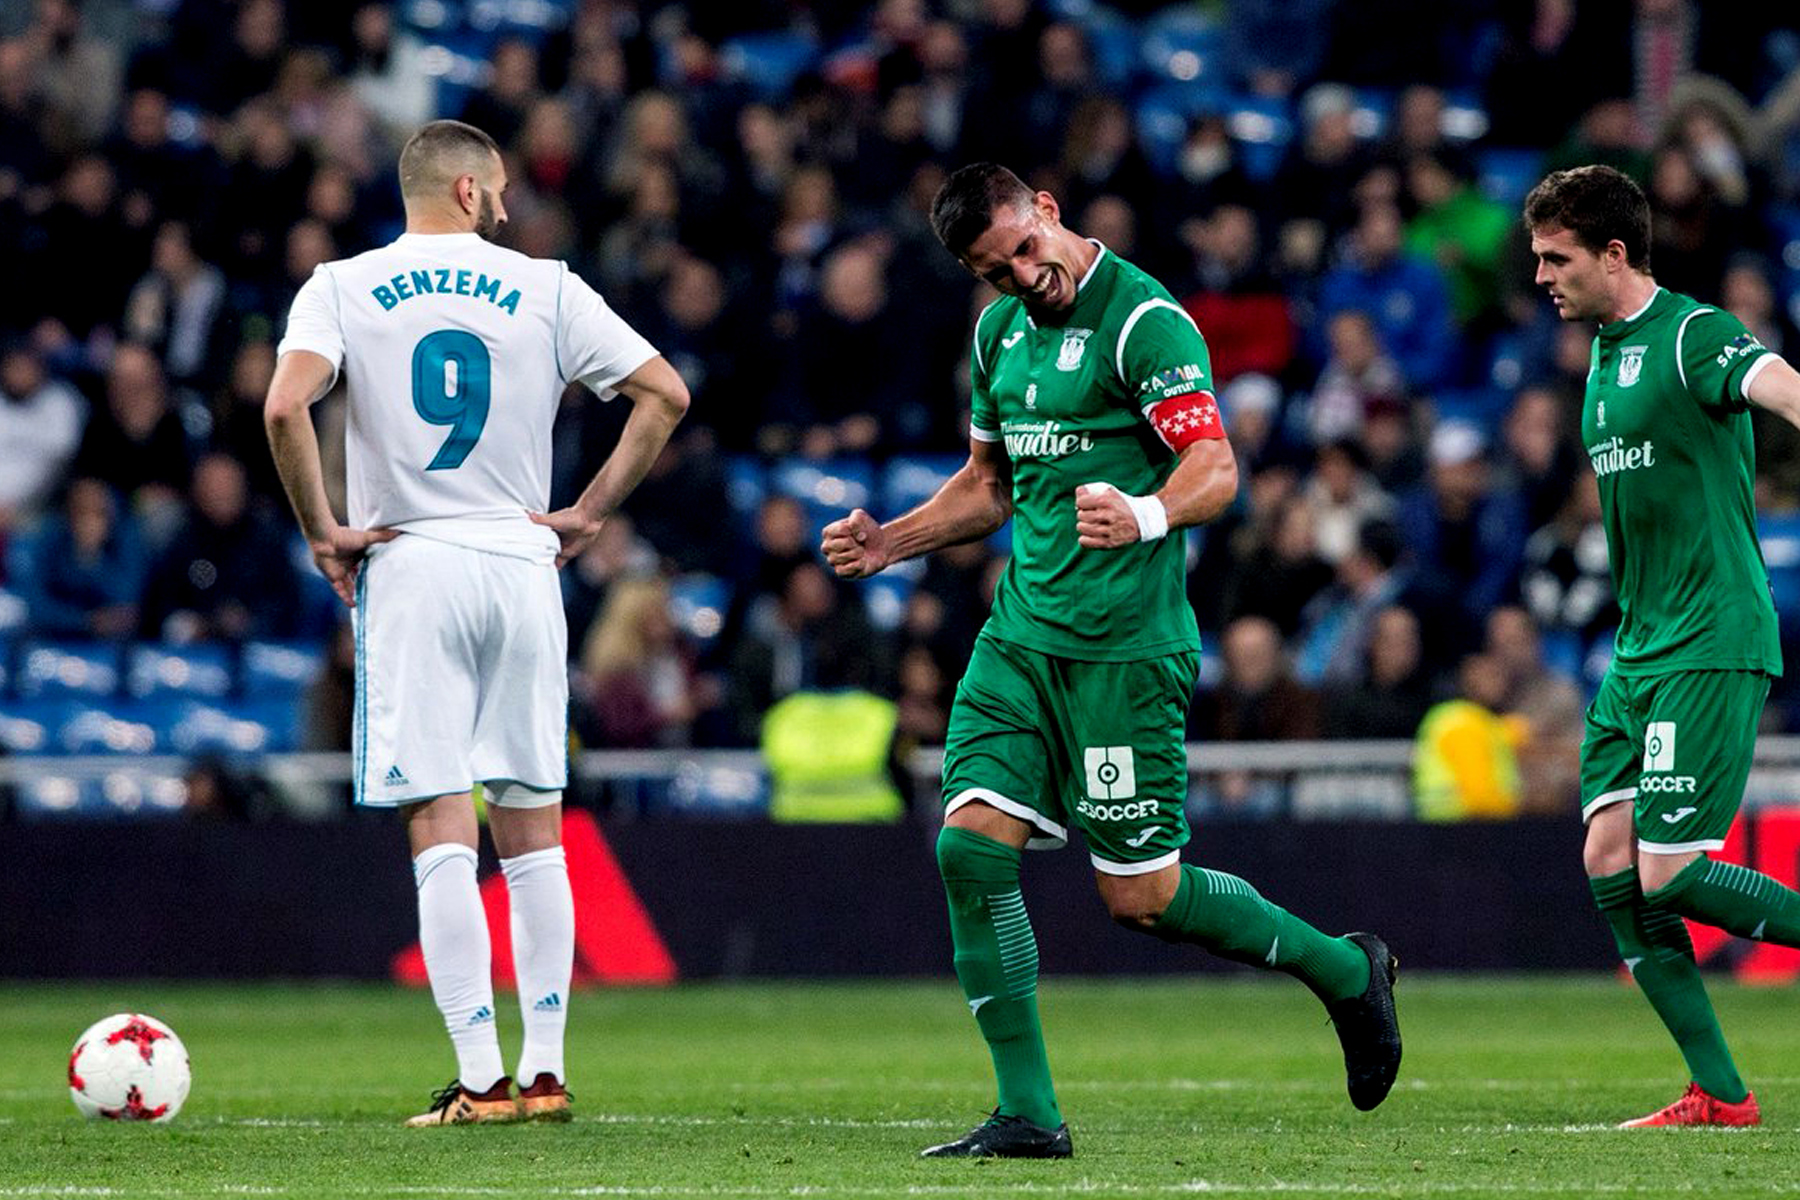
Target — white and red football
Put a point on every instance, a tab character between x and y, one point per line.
129	1067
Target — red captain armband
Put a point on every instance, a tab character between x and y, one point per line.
1180	421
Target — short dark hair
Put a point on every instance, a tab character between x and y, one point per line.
440	152
965	205
1598	205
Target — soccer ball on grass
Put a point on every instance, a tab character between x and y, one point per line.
129	1067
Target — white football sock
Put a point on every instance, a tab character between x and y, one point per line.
453	933
543	934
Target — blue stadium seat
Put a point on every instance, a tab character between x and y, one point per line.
29	726
193	727
1373	112
1163	115
117	727
912	479
1263	128
162	671
119	794
746	487
12	611
1506	174
51	669
279	668
1563	651
884	597
826	490
768	62
1183	44
1114	46
1779	534
697	604
713	792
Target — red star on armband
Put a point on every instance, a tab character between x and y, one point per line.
1181	421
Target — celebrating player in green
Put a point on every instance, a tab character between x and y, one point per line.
1667	425
1093	424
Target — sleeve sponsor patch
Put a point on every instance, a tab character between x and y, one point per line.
1176	381
1741	346
1182	420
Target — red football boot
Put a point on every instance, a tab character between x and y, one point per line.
1698	1108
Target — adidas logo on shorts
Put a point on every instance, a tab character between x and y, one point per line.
395	777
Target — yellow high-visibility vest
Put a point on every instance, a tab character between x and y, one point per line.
827	754
1464	763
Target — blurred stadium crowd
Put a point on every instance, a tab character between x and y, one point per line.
1330	188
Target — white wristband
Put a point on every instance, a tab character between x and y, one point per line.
1152	517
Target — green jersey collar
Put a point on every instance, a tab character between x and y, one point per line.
1625	325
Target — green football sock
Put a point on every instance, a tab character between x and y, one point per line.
997	965
1736	899
1227	916
1660	955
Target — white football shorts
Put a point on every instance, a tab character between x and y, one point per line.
461	673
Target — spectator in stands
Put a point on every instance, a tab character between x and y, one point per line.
1466	533
1549	39
1337	625
676	507
264	192
227	575
814	636
331	697
1258	699
137	442
84	570
500	108
618	555
1405	296
1693	229
1465	764
78	75
847	406
1748	295
1417	126
1233	298
1100	154
1460	230
1539	456
1391	444
1315	183
1275	47
1549	706
177	310
387	72
1358	374
159	179
84	260
1343	497
1280	572
1394	692
638	686
1566	582
41	418
923	703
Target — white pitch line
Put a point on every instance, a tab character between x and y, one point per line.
1083	1186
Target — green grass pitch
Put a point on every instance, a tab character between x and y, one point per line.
1172	1087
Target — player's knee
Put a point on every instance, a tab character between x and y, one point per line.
1132	902
1609	845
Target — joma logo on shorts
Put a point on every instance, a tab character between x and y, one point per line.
1137	810
1666	783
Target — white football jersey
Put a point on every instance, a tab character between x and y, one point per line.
455	353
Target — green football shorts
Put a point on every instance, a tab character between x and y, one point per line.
1058	742
1678	747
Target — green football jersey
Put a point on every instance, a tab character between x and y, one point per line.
1067	395
1666	423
